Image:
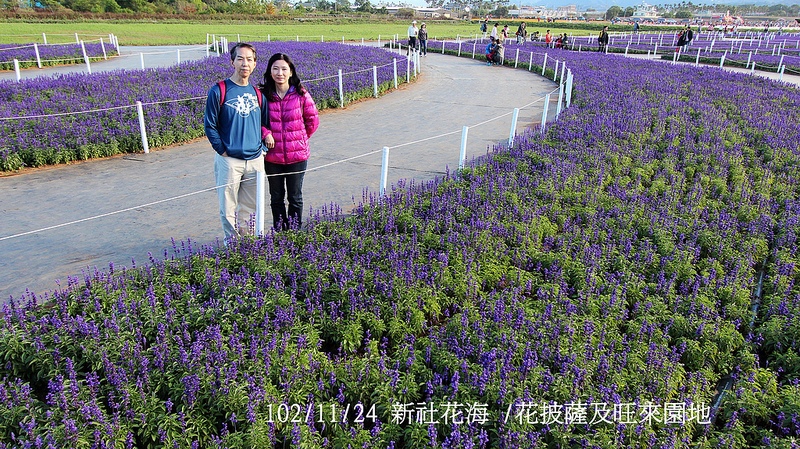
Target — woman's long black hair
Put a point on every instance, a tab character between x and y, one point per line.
268	86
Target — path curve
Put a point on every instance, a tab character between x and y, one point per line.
452	92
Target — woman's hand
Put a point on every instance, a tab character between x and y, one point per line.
269	141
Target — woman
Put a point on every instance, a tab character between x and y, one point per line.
522	33
423	39
681	40
293	119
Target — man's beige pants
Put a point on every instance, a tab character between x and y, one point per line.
236	189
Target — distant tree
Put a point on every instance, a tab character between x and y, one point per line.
130	5
500	11
613	12
382	11
363	6
342	6
405	13
435	3
683	14
629	11
323	5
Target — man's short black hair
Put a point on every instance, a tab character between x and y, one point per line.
239	45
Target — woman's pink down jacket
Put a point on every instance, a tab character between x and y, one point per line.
292	121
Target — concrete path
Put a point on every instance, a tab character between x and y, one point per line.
450	93
129	58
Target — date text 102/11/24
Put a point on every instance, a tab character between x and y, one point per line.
320	413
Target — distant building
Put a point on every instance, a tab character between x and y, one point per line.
528	12
567	12
433	13
644	12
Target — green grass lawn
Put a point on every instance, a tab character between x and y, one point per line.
174	33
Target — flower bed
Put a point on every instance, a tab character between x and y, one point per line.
51	55
174	101
589	287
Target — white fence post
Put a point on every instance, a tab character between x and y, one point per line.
77	40
459	48
530	62
516	59
141	57
44	38
513	130
394	64
341	90
569	88
103	46
408	69
260	202
142	129
462	156
38	59
544	64
375	79
86	58
384	170
560	97
697	59
555	71
16	69
544	111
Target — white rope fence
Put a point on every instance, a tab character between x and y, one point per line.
261	207
565	83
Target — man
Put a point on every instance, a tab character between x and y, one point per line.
233	123
490	48
412	37
689	35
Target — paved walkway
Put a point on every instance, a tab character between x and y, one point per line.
129	58
451	92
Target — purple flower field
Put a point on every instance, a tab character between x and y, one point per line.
594	286
766	51
174	100
49	55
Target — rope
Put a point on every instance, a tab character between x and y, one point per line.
197	192
60	114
